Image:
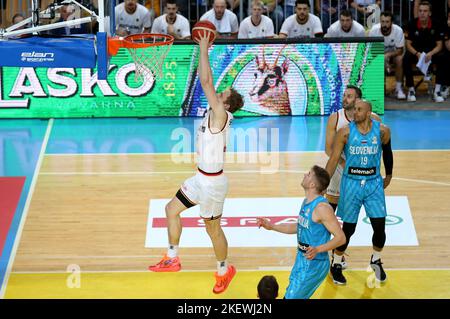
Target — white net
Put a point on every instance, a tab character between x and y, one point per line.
149	59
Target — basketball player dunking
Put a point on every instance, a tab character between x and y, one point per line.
209	186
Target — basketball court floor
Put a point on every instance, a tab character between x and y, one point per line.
83	207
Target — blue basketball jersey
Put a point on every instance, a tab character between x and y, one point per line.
310	233
363	152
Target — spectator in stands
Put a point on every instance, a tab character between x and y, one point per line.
172	23
329	11
257	25
394	48
424	36
226	21
132	18
67	13
345	27
18	18
268	288
438	14
366	12
302	24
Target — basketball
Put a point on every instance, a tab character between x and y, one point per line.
202	27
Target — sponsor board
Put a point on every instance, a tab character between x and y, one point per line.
239	223
46	82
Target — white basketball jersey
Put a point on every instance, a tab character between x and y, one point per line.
393	41
342	119
211	147
247	30
293	29
181	26
133	23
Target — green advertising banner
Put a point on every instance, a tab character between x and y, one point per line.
274	78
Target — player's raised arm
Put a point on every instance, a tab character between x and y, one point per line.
206	79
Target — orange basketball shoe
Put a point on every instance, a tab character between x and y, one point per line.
167	264
222	282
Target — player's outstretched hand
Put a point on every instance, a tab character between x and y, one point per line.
264	222
204	39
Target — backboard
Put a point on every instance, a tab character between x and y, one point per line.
38	42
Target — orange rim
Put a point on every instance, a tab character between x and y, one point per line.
137	41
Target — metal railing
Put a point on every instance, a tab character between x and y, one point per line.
403	10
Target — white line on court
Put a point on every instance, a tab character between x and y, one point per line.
118	257
170	172
177	153
421	181
25	210
228	152
139	173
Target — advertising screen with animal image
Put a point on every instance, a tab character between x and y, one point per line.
274	79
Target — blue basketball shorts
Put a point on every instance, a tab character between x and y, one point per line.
355	193
306	276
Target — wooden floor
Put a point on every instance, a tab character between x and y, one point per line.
91	210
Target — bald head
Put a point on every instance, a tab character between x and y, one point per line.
363	110
364	104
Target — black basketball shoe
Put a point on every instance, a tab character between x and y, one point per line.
336	274
377	267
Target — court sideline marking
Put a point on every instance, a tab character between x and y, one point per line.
423	181
228	152
25	209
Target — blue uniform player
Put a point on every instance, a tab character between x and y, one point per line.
316	222
363	141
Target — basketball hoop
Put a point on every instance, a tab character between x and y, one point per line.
147	50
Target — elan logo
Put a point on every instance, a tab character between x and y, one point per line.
38	56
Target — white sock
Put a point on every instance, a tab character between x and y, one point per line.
398	86
222	267
337	259
172	251
437	88
376	255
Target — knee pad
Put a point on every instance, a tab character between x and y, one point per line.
349	230
379	233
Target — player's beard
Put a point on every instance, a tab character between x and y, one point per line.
348	107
